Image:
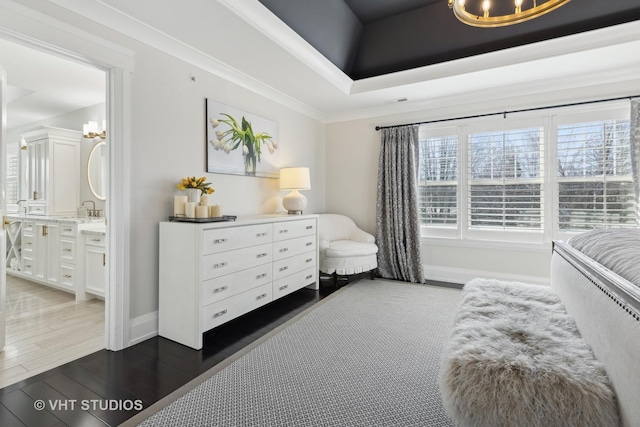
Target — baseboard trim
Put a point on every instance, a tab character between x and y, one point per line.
143	327
462	276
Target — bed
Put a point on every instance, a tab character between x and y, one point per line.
597	276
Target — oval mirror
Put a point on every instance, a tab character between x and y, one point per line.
97	171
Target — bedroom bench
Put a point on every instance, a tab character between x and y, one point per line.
516	358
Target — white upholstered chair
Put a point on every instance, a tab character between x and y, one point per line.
345	249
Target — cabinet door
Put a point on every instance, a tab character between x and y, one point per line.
52	258
94	270
39	255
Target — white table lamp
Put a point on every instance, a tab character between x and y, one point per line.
294	179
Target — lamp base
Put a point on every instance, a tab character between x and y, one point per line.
294	202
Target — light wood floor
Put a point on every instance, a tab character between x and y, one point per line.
46	328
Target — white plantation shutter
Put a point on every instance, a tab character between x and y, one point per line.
595	187
438	181
505	171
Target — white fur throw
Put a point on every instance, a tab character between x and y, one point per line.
516	358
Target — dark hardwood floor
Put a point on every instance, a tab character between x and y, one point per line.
104	387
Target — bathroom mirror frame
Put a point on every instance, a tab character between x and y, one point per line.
92	164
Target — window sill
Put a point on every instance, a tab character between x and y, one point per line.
486	244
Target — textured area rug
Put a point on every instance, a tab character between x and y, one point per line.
368	355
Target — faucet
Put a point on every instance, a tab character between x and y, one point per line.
20	206
91	211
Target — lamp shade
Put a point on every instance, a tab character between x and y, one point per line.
295	179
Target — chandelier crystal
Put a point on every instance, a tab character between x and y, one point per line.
523	10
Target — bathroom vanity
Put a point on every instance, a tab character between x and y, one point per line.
53	251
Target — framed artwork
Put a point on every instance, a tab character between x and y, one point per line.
241	143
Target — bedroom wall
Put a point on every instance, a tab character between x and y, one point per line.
167	118
353	148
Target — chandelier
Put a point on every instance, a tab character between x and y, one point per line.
482	16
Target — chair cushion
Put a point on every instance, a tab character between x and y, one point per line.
349	248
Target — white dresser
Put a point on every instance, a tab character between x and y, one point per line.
211	273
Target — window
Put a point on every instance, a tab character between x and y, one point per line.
438	180
595	188
528	179
505	179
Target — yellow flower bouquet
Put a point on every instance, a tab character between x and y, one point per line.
191	182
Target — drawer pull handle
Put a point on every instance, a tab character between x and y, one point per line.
284	250
28	265
220	313
309	260
96	240
28	243
309	244
284	231
261	234
68	276
220	264
260	276
220	241
67	250
282	288
220	289
261	296
262	255
309	227
308	277
284	268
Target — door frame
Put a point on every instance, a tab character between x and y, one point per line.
29	28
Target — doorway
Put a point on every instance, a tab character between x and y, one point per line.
54	314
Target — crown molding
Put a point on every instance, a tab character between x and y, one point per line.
123	23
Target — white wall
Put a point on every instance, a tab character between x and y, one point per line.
167	118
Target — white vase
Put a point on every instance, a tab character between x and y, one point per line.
193	195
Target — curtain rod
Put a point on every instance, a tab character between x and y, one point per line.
504	113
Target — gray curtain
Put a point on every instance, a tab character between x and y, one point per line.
398	225
635	152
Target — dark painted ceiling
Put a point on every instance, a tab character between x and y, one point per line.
367	38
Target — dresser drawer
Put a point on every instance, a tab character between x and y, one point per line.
27	265
68	229
294	264
292	229
28	227
227	239
291	247
293	282
67	276
68	250
94	240
229	308
217	289
220	264
27	243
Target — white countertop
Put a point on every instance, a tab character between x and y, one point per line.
67	219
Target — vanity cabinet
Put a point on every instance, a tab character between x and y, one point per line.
53	171
212	273
51	252
94	263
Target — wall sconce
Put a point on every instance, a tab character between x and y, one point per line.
294	179
90	130
23	144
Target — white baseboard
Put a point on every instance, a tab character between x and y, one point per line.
143	327
462	276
